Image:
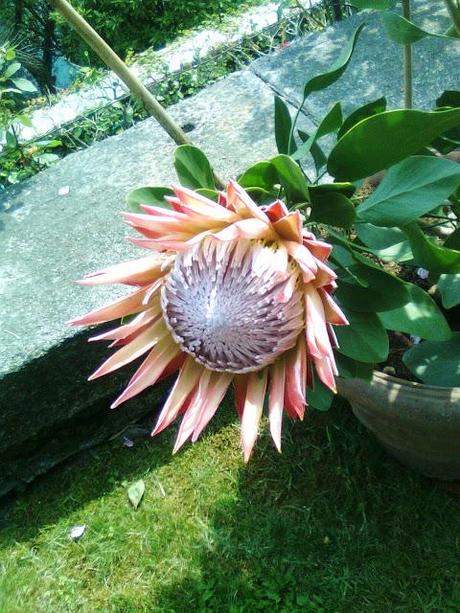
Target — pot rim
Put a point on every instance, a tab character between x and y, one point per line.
384	377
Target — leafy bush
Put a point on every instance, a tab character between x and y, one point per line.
137	24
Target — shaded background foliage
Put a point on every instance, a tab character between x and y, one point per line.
129	26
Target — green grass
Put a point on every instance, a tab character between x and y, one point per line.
332	524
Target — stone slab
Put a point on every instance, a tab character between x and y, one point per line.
376	66
48	240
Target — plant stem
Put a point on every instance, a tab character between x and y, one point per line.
454	13
407	62
115	63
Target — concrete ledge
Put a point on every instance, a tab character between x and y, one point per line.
375	69
50	240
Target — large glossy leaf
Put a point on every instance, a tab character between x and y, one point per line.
389	244
372	108
331	122
283	124
319	158
410	189
193	167
349	368
334	209
347	189
420	316
382	140
370	288
450	97
154	196
449	288
262	174
402	31
291	178
436	363
429	255
338	68
320	397
365	339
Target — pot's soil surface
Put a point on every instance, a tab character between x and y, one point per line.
394	365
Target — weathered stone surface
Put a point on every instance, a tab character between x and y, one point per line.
375	69
49	240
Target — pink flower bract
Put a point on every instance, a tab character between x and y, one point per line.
233	293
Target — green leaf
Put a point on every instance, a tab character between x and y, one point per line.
136	492
10	70
193	168
319	158
262	174
24	85
385	139
420	316
450	97
379	5
153	196
10	54
365	339
320	397
453	240
283	124
375	290
410	189
389	244
402	31
372	108
24	119
429	255
338	68
449	288
333	208
436	363
331	122
291	178
347	189
349	368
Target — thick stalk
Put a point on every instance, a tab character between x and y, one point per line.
407	62
115	63
454	12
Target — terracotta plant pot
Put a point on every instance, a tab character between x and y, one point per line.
418	424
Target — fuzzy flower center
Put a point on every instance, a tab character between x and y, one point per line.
234	306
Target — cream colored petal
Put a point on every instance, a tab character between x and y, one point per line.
187	379
276	400
128	305
151	369
137	347
252	411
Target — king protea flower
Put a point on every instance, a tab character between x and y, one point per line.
234	293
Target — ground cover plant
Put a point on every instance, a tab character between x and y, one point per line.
332	524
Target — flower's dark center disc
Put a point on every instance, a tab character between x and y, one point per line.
233	306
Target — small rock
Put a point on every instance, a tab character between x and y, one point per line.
63	191
127	442
77	532
422	273
415	339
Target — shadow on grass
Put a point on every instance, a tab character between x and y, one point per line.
332	524
90	475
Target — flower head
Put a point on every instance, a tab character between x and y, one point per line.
233	293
